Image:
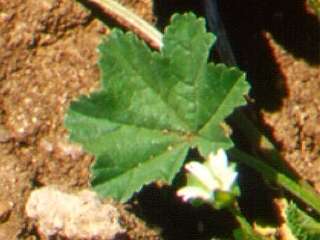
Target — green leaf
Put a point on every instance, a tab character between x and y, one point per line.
154	106
301	224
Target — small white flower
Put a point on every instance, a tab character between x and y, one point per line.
224	174
213	175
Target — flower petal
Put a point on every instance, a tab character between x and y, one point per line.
203	174
222	173
228	179
189	192
204	179
219	161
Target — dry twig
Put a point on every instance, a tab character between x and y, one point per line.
129	20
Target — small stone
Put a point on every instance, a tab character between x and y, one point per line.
72	216
69	149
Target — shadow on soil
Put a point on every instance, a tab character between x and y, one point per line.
292	27
297	31
246	21
160	206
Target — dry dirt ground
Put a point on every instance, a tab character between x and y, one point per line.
48	58
296	125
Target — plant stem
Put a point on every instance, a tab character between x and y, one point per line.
271	174
129	20
216	26
245	226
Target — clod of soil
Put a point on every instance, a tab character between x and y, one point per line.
73	216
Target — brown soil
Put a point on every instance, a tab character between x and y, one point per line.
48	58
296	125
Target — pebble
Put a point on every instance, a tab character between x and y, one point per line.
79	215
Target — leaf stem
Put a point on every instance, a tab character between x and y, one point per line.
271	174
129	20
216	26
243	223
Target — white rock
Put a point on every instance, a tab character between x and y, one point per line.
72	216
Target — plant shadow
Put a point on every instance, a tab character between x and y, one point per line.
289	23
161	207
246	23
258	194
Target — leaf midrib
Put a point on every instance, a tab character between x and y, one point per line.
136	166
222	103
197	82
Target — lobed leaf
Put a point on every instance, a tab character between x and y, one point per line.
154	106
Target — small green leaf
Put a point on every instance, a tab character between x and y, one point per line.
154	106
301	224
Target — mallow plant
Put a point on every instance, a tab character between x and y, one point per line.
154	107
